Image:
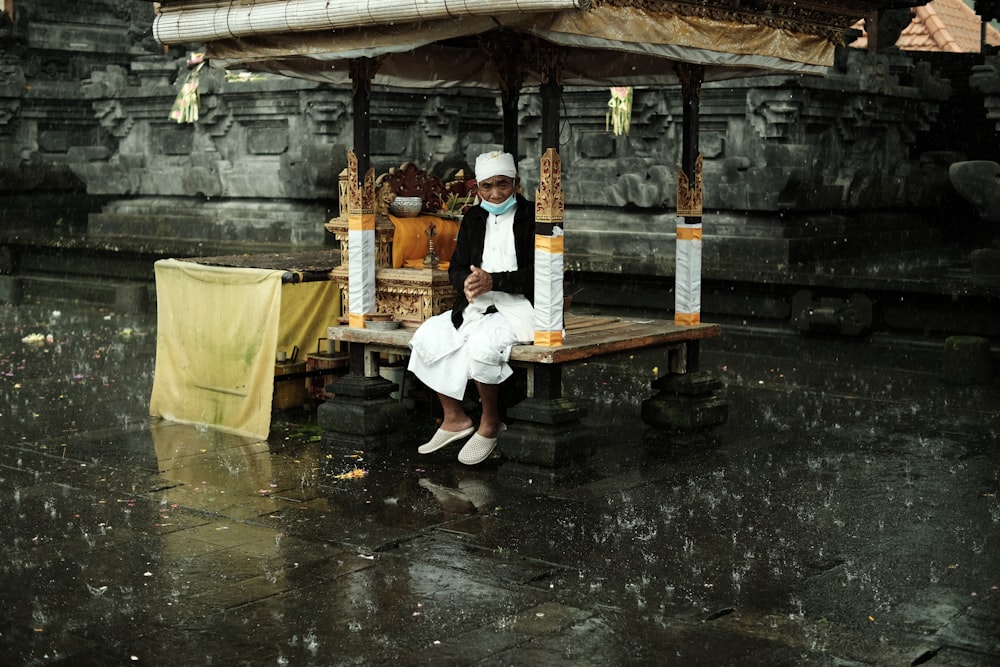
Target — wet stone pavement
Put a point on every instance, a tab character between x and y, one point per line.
847	514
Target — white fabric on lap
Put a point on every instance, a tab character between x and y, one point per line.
482	353
436	338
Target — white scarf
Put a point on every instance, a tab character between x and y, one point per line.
500	254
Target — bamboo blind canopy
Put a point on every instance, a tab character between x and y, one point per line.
439	42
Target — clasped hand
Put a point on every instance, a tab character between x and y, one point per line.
478	282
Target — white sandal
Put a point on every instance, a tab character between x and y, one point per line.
479	448
443	438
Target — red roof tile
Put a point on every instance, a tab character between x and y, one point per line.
941	25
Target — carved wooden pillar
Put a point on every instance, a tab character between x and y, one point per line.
549	203
549	209
687	292
361	242
361	200
362	412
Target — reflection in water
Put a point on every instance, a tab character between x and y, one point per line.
472	494
215	472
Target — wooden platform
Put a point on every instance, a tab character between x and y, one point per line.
543	426
587	336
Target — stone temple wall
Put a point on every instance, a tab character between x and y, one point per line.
46	51
796	168
986	80
263	159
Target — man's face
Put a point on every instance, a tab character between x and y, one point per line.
497	189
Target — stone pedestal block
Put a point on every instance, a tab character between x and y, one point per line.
966	360
686	403
545	445
545	433
362	414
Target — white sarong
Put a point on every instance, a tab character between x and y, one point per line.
446	358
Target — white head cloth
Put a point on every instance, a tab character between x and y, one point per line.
495	163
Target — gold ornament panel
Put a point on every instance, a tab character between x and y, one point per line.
690	194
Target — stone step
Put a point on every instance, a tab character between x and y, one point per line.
232	230
643	252
211	209
66	265
231	221
120	295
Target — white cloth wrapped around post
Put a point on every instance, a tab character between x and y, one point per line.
687	294
360	272
548	290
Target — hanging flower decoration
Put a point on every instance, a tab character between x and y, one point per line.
185	109
619	116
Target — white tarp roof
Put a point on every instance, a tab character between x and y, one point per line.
428	41
222	20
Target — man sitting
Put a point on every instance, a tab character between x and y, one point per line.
492	270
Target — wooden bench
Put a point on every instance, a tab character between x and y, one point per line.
550	419
587	336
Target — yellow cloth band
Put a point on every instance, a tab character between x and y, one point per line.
685	319
551	244
548	338
688	233
361	223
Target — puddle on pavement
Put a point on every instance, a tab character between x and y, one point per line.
783	532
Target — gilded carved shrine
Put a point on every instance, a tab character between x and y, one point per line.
410	295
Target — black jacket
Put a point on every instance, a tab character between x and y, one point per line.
469	253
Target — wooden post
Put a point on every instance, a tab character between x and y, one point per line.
687	292
549	251
504	52
361	205
691	79
871	29
362	72
361	411
551	94
509	101
549	211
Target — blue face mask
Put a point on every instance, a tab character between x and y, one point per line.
502	207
